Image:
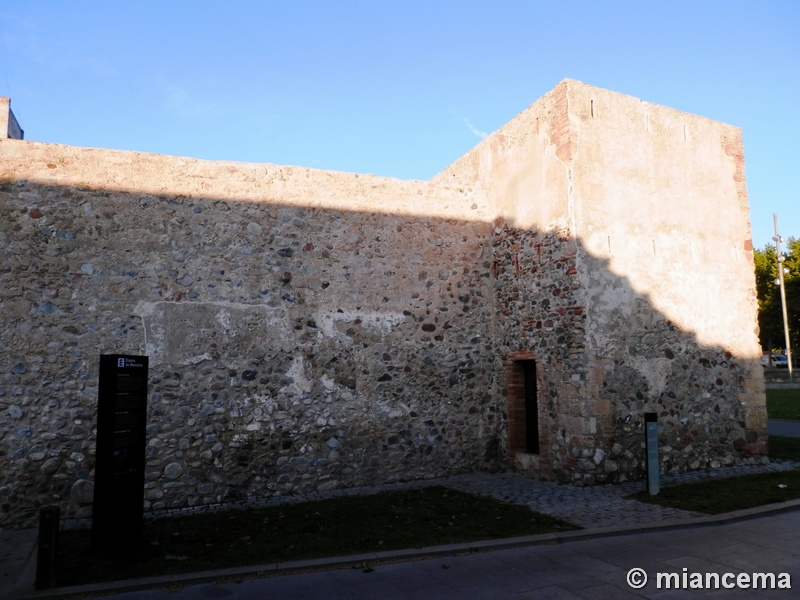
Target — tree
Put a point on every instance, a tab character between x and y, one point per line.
770	316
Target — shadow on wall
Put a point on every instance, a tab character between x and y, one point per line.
298	349
604	356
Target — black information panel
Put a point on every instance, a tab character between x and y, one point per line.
117	521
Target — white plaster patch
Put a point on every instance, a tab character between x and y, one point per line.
223	317
328	383
301	384
655	371
184	333
376	320
394	411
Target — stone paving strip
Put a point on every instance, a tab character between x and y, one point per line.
591	507
597	506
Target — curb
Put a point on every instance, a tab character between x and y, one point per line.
376	558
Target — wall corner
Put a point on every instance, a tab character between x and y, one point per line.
9	126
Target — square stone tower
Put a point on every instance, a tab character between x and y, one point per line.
9	128
625	285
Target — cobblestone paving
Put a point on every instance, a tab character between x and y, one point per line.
589	507
597	506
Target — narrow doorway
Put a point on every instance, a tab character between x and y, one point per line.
523	405
531	406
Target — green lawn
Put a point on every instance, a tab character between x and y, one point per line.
784	447
726	495
783	404
736	493
334	527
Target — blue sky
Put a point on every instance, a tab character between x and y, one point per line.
394	88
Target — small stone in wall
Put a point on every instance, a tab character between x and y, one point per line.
173	471
50	466
82	492
599	455
328	486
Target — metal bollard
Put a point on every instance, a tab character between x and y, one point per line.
49	517
651	446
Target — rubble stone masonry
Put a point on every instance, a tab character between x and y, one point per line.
309	330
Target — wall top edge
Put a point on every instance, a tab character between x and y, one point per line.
567	89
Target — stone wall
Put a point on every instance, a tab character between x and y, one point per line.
309	330
293	348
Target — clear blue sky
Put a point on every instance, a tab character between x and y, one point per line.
394	88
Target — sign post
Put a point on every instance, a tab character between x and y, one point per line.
651	449
780	281
118	518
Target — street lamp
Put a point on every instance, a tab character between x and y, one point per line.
781	270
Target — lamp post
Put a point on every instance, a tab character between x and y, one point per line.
781	270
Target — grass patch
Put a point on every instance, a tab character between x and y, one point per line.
725	495
735	493
783	404
784	447
334	527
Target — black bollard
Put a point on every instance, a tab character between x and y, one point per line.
49	517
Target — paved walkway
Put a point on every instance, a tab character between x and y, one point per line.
602	510
785	427
589	569
17	561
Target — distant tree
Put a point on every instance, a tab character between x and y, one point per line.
770	317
